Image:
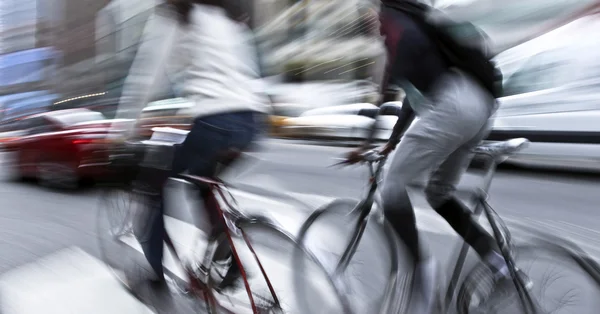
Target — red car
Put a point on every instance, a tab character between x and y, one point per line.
60	148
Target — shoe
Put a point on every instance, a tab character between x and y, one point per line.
501	273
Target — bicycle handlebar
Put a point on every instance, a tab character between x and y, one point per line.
372	156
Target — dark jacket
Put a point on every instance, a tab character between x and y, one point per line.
412	55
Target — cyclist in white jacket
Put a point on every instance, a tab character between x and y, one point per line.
207	55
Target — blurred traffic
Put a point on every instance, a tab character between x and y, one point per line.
64	66
549	73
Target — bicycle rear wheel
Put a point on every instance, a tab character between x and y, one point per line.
327	233
275	250
564	281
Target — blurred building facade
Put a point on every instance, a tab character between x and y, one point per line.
321	40
74	48
27	57
119	26
74	36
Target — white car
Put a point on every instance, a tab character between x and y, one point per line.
553	97
342	122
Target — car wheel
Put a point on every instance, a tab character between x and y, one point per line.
57	174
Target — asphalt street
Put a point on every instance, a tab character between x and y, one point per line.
36	222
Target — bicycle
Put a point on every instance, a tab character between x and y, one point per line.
222	253
476	292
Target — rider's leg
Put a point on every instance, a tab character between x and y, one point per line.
415	156
150	230
457	116
199	155
440	195
426	145
214	136
442	183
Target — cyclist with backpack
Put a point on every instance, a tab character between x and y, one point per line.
457	85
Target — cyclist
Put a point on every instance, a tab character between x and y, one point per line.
207	55
454	112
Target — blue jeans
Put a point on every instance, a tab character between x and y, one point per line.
199	154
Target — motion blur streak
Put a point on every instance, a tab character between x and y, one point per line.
63	64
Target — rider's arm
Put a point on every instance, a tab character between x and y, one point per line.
405	115
403	46
147	73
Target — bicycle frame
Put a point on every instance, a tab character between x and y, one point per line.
228	218
364	208
503	240
500	232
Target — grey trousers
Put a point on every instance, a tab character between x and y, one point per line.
437	148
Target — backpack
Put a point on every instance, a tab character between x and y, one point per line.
462	45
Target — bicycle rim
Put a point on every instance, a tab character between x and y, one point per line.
327	234
560	284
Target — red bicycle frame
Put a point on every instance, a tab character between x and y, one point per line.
195	283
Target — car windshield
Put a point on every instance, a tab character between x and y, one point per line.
73	118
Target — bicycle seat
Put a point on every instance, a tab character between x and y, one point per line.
503	148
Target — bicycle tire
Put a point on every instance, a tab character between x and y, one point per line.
477	284
268	239
339	219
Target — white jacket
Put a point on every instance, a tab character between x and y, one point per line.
211	61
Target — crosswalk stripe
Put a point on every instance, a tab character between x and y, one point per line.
68	281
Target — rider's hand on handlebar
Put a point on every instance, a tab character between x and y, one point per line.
387	149
355	155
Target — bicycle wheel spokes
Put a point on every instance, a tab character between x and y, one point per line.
560	285
328	234
329	231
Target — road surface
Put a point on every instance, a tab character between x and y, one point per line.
49	255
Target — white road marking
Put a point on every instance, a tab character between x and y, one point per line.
69	281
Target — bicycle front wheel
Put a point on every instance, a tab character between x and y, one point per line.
563	281
331	231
